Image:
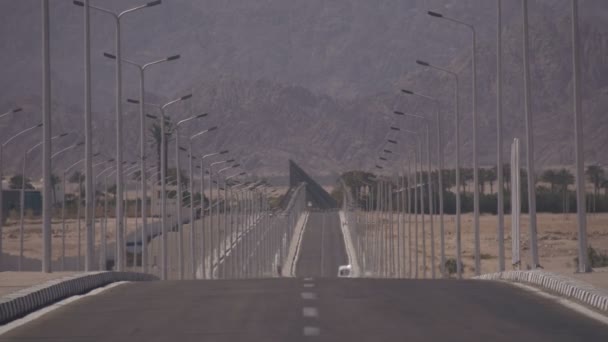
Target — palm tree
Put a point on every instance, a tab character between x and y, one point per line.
506	171
55	180
466	175
550	176
155	141
15	182
595	175
491	178
76	178
483	177
449	178
564	178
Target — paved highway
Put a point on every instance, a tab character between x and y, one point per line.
322	248
327	310
312	308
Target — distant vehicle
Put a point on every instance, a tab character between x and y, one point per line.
344	271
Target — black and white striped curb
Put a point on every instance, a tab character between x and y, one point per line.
22	302
562	285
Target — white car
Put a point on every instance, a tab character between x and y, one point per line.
344	271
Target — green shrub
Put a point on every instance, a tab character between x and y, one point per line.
596	259
450	266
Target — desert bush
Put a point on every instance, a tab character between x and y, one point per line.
596	259
450	266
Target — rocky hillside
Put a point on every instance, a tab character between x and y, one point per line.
312	80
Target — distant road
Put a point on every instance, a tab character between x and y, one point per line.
322	249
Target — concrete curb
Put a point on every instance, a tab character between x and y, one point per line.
348	242
562	285
289	267
22	302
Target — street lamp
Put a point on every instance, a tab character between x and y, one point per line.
192	213
211	242
418	162
6	142
225	189
22	197
163	172
104	224
12	111
529	142
142	141
457	147
179	192
439	173
119	130
475	146
499	141
583	262
202	167
430	191
63	205
232	265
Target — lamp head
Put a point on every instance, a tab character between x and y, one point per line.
109	55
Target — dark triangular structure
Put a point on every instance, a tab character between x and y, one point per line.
315	194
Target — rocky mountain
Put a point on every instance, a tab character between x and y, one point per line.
315	81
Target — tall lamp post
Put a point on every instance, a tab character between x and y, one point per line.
475	143
46	141
179	193
499	141
64	174
418	161
457	148
22	197
211	242
439	134
225	189
142	142
163	172
119	130
579	151
2	146
192	214
529	142
203	157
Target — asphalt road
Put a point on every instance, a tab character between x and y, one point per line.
322	248
312	307
332	309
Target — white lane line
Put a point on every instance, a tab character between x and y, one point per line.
309	311
309	285
309	279
311	331
309	295
36	314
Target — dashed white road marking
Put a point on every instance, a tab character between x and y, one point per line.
308	279
309	285
311	331
309	311
309	295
